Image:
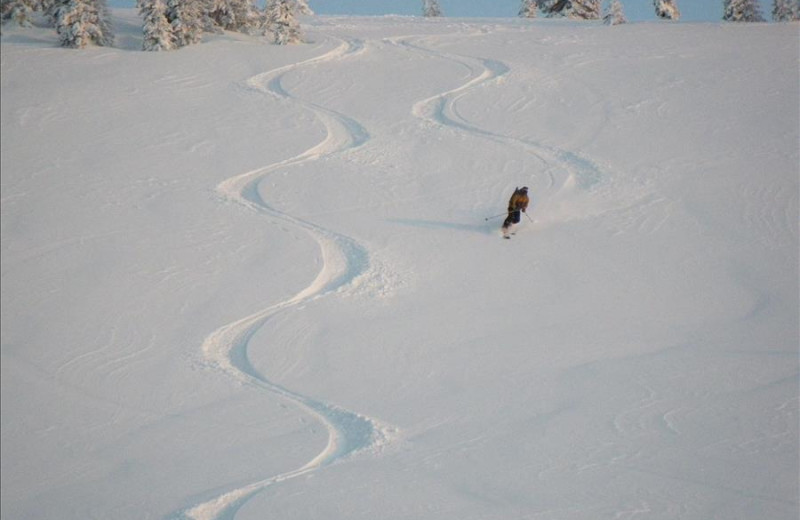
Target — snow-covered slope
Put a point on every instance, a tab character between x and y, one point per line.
247	281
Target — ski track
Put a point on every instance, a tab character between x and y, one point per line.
442	110
563	172
344	262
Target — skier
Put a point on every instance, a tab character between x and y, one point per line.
518	202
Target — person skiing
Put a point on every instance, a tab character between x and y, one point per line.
519	202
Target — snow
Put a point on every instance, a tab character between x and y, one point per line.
250	281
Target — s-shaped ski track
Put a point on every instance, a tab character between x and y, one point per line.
344	261
563	168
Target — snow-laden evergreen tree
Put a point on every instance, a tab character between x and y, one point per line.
430	8
19	11
157	30
742	11
233	15
303	8
528	9
586	9
281	22
614	14
576	9
786	10
83	22
185	17
667	9
551	8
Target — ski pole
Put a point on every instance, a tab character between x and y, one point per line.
500	215
504	214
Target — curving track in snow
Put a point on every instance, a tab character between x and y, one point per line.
563	172
344	261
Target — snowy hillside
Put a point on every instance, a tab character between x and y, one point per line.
249	281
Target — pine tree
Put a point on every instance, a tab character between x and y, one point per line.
585	9
82	22
577	9
303	8
667	9
157	30
186	20
19	11
786	10
528	9
553	8
742	11
614	14
281	21
233	15
431	9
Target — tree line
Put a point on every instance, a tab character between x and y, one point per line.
612	11
167	24
172	24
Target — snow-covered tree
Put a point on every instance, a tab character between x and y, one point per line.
786	10
157	30
185	17
667	9
742	11
614	14
19	11
303	8
586	9
528	9
83	22
281	22
233	15
430	8
551	8
577	9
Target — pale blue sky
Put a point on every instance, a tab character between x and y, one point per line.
635	10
